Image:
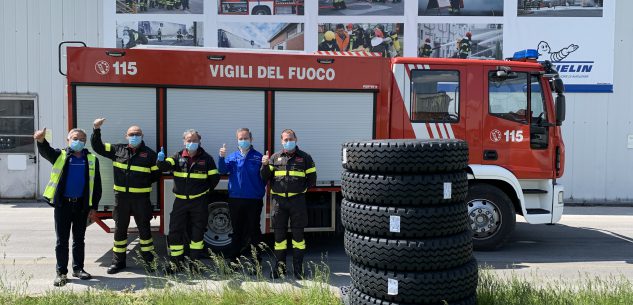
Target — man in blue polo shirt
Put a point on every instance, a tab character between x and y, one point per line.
246	192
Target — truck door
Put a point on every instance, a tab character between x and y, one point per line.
516	133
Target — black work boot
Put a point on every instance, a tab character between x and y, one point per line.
82	274
149	263
116	267
297	263
174	265
279	269
60	280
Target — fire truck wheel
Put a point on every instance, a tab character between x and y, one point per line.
492	216
405	156
412	222
416	287
261	10
356	297
405	190
218	235
429	254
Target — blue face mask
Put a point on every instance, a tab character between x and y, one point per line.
135	141
290	145
244	144
191	146
77	145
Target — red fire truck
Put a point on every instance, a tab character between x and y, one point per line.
260	7
505	110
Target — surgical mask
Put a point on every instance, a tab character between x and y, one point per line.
244	144
192	146
135	141
77	145
290	145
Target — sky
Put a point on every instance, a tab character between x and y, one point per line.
258	31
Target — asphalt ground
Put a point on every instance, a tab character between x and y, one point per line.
588	242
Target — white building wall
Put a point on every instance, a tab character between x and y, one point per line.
599	164
30	31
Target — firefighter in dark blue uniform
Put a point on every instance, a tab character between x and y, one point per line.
195	176
134	172
291	172
246	193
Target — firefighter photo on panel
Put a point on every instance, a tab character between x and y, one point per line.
460	7
361	7
290	171
447	40
134	173
74	190
160	7
195	177
384	39
131	34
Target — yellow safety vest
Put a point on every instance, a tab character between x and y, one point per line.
56	174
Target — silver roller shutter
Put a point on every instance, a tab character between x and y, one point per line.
122	107
323	121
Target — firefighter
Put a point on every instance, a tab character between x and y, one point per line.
74	190
339	4
143	5
464	45
195	176
328	43
378	44
426	49
159	34
342	37
246	193
291	172
134	172
185	5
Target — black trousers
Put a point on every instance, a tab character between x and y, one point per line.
187	216
139	206
245	219
293	208
70	216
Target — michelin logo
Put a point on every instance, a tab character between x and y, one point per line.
545	51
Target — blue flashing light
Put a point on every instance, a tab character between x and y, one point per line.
525	54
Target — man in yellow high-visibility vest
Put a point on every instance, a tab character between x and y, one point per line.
74	190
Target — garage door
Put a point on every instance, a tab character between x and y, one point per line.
323	121
122	107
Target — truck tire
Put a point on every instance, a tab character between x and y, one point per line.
405	156
261	10
432	221
417	287
404	190
356	297
492	216
410	254
217	237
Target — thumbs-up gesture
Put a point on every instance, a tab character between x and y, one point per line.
161	154
39	135
98	122
223	151
266	158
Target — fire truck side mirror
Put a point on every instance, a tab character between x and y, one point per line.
559	87
560	109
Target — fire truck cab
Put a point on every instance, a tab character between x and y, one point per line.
505	110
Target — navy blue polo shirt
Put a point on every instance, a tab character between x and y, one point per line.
75	177
244	179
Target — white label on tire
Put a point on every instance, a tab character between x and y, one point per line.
394	223
344	155
392	287
447	190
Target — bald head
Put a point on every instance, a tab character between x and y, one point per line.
134	131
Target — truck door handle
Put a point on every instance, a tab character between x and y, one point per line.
34	158
490	155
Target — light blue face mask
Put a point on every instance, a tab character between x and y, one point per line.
135	141
76	145
191	146
244	144
290	145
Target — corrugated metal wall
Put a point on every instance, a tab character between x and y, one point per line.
599	164
30	31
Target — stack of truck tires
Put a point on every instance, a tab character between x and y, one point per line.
406	222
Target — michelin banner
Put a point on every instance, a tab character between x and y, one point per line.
577	36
